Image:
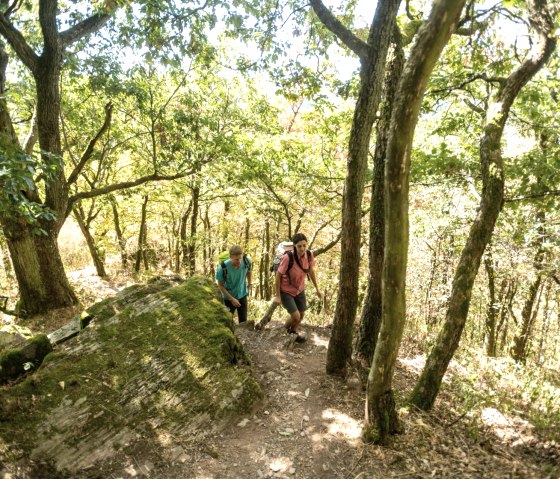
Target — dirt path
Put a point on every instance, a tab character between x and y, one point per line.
308	426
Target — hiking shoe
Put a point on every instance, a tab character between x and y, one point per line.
300	338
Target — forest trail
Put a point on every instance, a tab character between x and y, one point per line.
309	425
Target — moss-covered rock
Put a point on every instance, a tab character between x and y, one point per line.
156	360
17	361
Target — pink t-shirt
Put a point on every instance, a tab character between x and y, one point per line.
296	283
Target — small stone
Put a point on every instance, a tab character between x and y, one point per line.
243	423
292	471
306	418
267	413
275	467
307	393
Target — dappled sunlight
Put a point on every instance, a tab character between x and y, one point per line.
509	429
317	340
416	363
339	425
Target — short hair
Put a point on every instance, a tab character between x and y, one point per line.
298	237
235	250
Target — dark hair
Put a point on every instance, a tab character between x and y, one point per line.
298	237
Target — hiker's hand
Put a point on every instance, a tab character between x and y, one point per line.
236	303
277	299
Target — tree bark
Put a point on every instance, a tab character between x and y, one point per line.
190	259
492	308
370	321
430	41
90	240
427	387
371	78
119	233
142	237
519	348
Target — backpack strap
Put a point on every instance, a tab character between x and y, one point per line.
224	271
308	253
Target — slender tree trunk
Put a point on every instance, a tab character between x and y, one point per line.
190	260
266	262
492	308
90	240
119	233
427	388
519	349
381	416
183	240
370	321
142	237
339	351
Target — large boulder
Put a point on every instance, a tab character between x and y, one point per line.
156	361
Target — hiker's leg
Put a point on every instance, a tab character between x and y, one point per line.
290	306
301	303
242	310
292	322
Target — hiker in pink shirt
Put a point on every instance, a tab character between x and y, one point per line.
294	267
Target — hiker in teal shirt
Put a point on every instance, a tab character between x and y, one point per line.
234	280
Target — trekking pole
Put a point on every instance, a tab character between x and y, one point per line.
267	316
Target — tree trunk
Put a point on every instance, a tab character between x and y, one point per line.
519	349
492	308
371	79
142	237
6	261
427	388
118	231
370	321
381	417
36	259
190	259
90	240
42	281
183	242
266	262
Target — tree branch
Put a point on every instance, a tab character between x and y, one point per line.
16	40
359	47
89	150
84	28
123	186
324	249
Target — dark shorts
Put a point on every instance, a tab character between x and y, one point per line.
241	311
294	303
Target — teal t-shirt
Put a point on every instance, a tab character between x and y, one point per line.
235	281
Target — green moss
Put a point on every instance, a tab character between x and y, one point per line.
167	357
11	364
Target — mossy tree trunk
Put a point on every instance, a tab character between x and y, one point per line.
381	417
372	54
427	387
370	321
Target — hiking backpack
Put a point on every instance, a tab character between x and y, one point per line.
287	247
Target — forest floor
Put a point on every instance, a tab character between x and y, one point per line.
309	424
